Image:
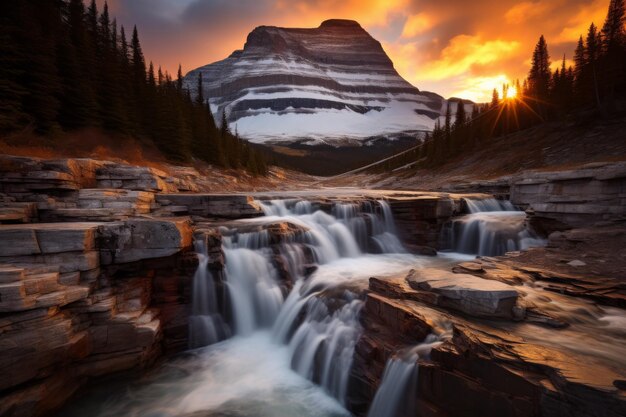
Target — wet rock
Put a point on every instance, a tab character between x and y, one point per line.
309	269
212	242
283	232
422	250
485	369
46	238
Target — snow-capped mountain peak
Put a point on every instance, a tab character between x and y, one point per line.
329	84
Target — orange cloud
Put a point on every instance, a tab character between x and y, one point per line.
524	11
447	46
465	51
366	12
579	23
417	24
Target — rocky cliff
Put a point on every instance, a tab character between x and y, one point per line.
328	83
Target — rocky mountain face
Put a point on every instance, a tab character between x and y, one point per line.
333	83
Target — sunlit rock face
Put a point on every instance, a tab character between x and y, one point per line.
332	83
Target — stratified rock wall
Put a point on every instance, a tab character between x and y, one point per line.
95	273
565	199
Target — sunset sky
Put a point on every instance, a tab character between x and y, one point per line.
460	48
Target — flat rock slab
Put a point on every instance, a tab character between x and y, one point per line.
46	238
143	238
214	205
467	293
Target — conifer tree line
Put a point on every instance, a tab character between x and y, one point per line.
65	65
596	82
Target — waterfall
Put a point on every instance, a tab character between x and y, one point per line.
318	321
206	325
397	393
252	286
322	347
492	228
488	204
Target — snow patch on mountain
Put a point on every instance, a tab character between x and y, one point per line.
328	84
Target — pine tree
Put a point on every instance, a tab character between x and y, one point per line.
540	75
614	49
92	18
495	98
224	129
179	78
594	50
581	77
160	77
12	63
66	66
200	91
39	73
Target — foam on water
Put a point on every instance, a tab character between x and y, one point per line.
243	376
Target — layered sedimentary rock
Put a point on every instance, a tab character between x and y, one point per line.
561	200
95	276
70	310
323	84
550	357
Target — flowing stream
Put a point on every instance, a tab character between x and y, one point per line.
285	343
491	228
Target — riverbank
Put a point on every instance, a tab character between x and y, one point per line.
100	263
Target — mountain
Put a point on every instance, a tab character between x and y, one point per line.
333	85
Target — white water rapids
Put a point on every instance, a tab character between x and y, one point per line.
277	353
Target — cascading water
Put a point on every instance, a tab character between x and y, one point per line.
322	344
488	204
206	325
318	322
291	290
492	228
397	392
251	281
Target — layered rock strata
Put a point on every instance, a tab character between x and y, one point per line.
325	84
565	199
